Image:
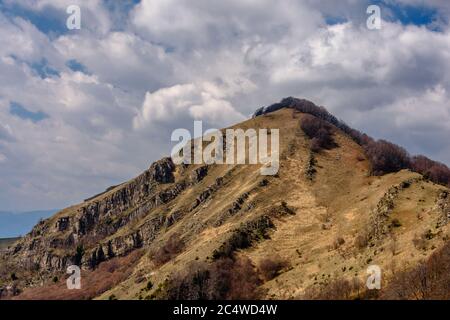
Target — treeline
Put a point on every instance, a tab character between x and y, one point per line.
319	131
433	170
384	156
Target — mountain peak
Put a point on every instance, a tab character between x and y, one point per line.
325	213
301	105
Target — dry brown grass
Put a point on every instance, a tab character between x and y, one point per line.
342	191
339	289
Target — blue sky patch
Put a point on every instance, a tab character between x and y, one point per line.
18	110
75	66
332	20
419	15
49	21
124	5
43	69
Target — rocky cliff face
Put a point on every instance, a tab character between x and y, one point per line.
52	244
379	219
91	232
443	205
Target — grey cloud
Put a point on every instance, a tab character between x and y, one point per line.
171	64
6	133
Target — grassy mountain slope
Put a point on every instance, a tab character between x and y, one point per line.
323	218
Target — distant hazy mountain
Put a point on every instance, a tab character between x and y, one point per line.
14	224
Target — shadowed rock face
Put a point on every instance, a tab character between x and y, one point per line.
92	222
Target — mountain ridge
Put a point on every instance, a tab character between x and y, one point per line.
182	215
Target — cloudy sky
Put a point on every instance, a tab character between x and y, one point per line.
81	110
